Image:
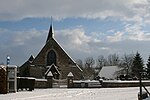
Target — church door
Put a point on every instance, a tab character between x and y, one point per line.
51	58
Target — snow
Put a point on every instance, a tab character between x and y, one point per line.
70	74
108	72
75	94
147	98
130	81
85	81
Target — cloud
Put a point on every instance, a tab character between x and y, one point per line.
140	37
116	37
124	9
21	44
135	14
77	38
22	37
15	38
135	32
81	45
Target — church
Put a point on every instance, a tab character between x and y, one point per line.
52	58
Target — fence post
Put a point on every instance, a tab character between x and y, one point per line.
140	84
50	80
12	78
70	80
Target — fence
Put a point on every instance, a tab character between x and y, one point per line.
59	83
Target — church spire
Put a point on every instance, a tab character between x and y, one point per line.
51	31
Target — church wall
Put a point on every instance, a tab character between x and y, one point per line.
24	70
36	72
63	62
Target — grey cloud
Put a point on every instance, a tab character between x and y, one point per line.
19	45
19	9
74	41
93	48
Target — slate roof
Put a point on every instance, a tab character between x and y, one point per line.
108	72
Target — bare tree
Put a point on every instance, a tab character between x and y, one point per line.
79	63
125	64
89	62
100	62
89	70
113	60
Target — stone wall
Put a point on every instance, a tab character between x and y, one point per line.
37	72
40	83
36	67
108	84
64	62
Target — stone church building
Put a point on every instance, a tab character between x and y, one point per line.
52	57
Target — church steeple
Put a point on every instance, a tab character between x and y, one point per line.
51	32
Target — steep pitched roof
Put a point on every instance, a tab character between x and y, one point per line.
51	37
28	62
51	33
67	55
108	72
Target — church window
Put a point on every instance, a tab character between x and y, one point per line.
51	57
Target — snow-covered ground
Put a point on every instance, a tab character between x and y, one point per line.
147	99
75	94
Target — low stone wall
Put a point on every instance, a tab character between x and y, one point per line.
78	84
109	84
40	83
86	84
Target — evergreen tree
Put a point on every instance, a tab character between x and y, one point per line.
148	68
138	65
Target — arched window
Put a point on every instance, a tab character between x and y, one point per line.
51	57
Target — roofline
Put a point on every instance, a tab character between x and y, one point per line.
67	54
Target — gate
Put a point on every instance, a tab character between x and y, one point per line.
3	80
59	83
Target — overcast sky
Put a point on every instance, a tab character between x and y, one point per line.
83	27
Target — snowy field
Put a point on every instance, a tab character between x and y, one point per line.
75	94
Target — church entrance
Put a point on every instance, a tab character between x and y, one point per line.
54	70
59	83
